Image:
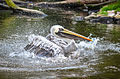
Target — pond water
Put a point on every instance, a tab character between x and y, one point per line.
100	61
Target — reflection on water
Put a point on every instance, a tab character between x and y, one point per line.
95	61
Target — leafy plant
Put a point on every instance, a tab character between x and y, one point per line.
114	6
103	12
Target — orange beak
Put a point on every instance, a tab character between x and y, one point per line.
72	35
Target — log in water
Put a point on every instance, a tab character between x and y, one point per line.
24	11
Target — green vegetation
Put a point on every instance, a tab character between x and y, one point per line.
114	6
11	4
103	12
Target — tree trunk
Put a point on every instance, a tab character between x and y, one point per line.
24	11
75	3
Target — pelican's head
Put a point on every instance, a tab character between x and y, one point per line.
60	31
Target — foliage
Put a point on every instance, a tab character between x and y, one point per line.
11	4
114	6
111	7
118	9
103	12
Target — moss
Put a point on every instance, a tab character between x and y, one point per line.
11	4
118	9
103	12
111	7
114	6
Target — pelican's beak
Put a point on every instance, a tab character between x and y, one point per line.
69	34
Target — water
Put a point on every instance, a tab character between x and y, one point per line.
98	59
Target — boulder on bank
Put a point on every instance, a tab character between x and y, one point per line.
111	18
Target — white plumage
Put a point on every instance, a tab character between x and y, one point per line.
53	44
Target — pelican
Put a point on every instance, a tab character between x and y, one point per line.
59	41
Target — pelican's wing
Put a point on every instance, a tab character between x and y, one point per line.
42	47
67	47
57	41
70	48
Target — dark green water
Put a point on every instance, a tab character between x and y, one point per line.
101	63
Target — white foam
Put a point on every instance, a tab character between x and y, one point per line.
89	45
82	46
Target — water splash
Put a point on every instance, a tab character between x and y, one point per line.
82	46
81	59
89	45
85	48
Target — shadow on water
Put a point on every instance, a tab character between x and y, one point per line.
100	63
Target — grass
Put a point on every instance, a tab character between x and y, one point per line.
114	6
103	13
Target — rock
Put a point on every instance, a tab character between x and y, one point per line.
112	18
109	27
118	21
111	13
78	18
92	11
85	10
74	22
92	15
106	20
94	20
117	15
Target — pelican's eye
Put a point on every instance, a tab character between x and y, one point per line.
61	29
